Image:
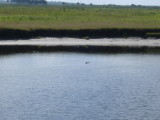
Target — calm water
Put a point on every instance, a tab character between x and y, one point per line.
61	86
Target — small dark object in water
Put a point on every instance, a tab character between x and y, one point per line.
87	62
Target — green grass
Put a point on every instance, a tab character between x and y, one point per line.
153	35
76	17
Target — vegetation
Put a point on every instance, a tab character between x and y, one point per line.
156	35
28	1
28	17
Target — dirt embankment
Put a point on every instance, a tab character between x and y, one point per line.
84	33
108	45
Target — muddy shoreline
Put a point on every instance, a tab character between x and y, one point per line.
105	45
82	33
85	49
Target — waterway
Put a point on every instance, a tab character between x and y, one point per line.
79	86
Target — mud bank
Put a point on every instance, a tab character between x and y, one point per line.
130	45
87	49
83	33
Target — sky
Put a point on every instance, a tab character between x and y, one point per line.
117	2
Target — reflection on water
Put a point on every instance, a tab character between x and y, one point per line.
62	86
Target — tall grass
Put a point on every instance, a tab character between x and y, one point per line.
75	17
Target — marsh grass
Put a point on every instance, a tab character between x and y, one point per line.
153	34
77	17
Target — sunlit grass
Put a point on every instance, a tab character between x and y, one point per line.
56	17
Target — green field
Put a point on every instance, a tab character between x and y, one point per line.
77	17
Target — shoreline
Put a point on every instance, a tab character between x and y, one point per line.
81	33
105	45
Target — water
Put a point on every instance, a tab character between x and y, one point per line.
61	86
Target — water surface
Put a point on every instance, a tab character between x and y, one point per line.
76	86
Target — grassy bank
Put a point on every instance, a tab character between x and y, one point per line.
32	21
81	33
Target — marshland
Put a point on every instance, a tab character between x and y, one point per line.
79	62
78	21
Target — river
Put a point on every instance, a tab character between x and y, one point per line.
79	86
